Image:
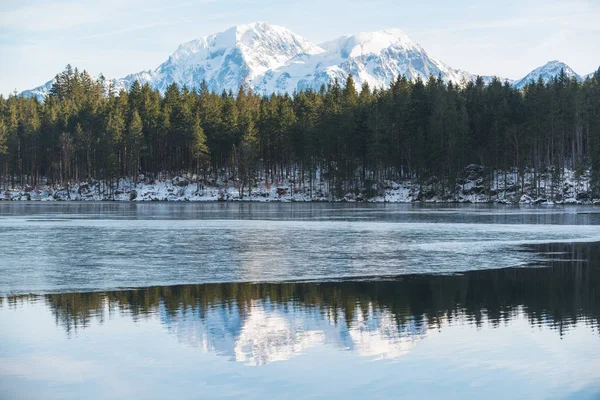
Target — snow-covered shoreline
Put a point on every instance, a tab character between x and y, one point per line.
504	188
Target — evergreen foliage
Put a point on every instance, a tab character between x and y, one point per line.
355	139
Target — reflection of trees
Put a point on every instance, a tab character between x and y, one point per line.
559	296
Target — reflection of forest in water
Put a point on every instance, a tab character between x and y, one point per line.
401	310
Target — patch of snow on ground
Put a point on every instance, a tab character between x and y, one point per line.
472	187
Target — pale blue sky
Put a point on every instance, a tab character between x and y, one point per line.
117	37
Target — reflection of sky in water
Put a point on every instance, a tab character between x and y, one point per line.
268	350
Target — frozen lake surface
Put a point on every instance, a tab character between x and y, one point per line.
61	247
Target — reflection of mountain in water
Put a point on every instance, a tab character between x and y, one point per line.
260	323
268	331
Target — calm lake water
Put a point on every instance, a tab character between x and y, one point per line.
157	300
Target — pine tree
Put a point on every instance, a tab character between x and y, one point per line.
135	142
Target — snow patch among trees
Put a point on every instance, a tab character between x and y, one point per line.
473	186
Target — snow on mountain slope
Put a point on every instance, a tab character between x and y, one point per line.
227	60
40	92
546	72
589	76
268	58
376	58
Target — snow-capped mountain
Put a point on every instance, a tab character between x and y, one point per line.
268	58
376	58
547	72
237	57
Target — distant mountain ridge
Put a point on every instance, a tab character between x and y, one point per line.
268	58
547	72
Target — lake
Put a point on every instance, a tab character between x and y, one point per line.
230	300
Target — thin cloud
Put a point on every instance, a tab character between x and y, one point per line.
58	16
130	29
560	37
580	20
504	23
178	6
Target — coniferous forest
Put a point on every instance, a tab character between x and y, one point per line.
352	137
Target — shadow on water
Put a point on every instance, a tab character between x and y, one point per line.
559	292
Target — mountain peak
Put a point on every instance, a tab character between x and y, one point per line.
276	40
556	65
228	59
249	34
258	26
547	72
366	43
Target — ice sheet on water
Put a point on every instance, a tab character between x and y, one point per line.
53	248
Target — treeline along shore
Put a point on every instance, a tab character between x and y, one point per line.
414	141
